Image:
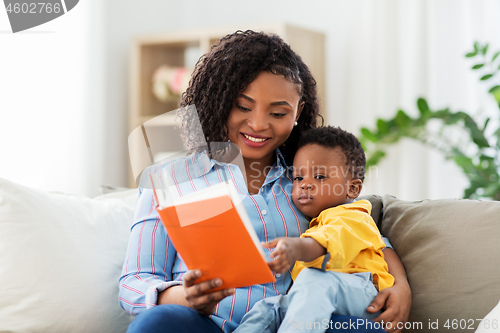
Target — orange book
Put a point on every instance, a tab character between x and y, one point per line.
212	232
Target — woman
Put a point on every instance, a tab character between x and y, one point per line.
254	91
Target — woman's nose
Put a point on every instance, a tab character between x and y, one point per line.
258	121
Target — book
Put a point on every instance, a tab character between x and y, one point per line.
212	232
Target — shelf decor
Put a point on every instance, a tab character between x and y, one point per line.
170	82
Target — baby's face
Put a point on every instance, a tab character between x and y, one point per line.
321	179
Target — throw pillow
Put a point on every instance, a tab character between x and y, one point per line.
450	252
60	260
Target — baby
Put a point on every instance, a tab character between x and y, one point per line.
339	263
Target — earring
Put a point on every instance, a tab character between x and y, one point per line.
296	123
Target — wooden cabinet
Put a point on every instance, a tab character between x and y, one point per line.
182	49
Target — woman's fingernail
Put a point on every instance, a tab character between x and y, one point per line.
218	282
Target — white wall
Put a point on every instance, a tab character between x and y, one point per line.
67	92
50	97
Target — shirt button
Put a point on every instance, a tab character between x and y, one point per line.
264	212
278	275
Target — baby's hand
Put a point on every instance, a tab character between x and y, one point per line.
286	253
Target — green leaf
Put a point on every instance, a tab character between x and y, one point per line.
442	113
383	126
369	135
477	66
375	158
495	91
468	193
492	191
495	56
456	117
486	123
474	186
471	54
476	47
402	120
497	134
479	182
394	137
465	163
483	157
485	49
423	107
486	77
476	134
448	117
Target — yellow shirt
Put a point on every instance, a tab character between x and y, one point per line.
351	237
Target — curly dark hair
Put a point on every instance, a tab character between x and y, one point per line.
231	65
333	137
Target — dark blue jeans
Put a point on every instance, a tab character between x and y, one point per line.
171	318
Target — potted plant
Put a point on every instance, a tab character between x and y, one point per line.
477	153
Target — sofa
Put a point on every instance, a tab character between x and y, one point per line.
61	257
451	253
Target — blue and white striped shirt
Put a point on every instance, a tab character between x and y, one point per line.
152	263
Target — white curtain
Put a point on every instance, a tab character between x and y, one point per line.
52	102
395	52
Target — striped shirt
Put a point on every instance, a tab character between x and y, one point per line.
152	263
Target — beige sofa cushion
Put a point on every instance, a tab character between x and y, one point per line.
60	260
451	252
376	201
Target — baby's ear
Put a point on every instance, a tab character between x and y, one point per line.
354	188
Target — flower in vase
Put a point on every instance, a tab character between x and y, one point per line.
170	82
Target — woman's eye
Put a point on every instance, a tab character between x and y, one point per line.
242	108
278	115
320	177
297	179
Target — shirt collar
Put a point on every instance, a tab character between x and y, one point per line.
278	169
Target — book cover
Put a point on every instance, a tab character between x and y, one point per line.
212	232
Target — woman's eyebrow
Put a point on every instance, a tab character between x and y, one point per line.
281	103
248	98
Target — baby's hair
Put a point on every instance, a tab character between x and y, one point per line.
231	65
333	137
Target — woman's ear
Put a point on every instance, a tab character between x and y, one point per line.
354	188
299	110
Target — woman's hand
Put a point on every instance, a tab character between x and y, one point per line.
395	301
199	295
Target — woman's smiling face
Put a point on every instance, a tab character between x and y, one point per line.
263	116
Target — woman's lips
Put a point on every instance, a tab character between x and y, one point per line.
254	141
